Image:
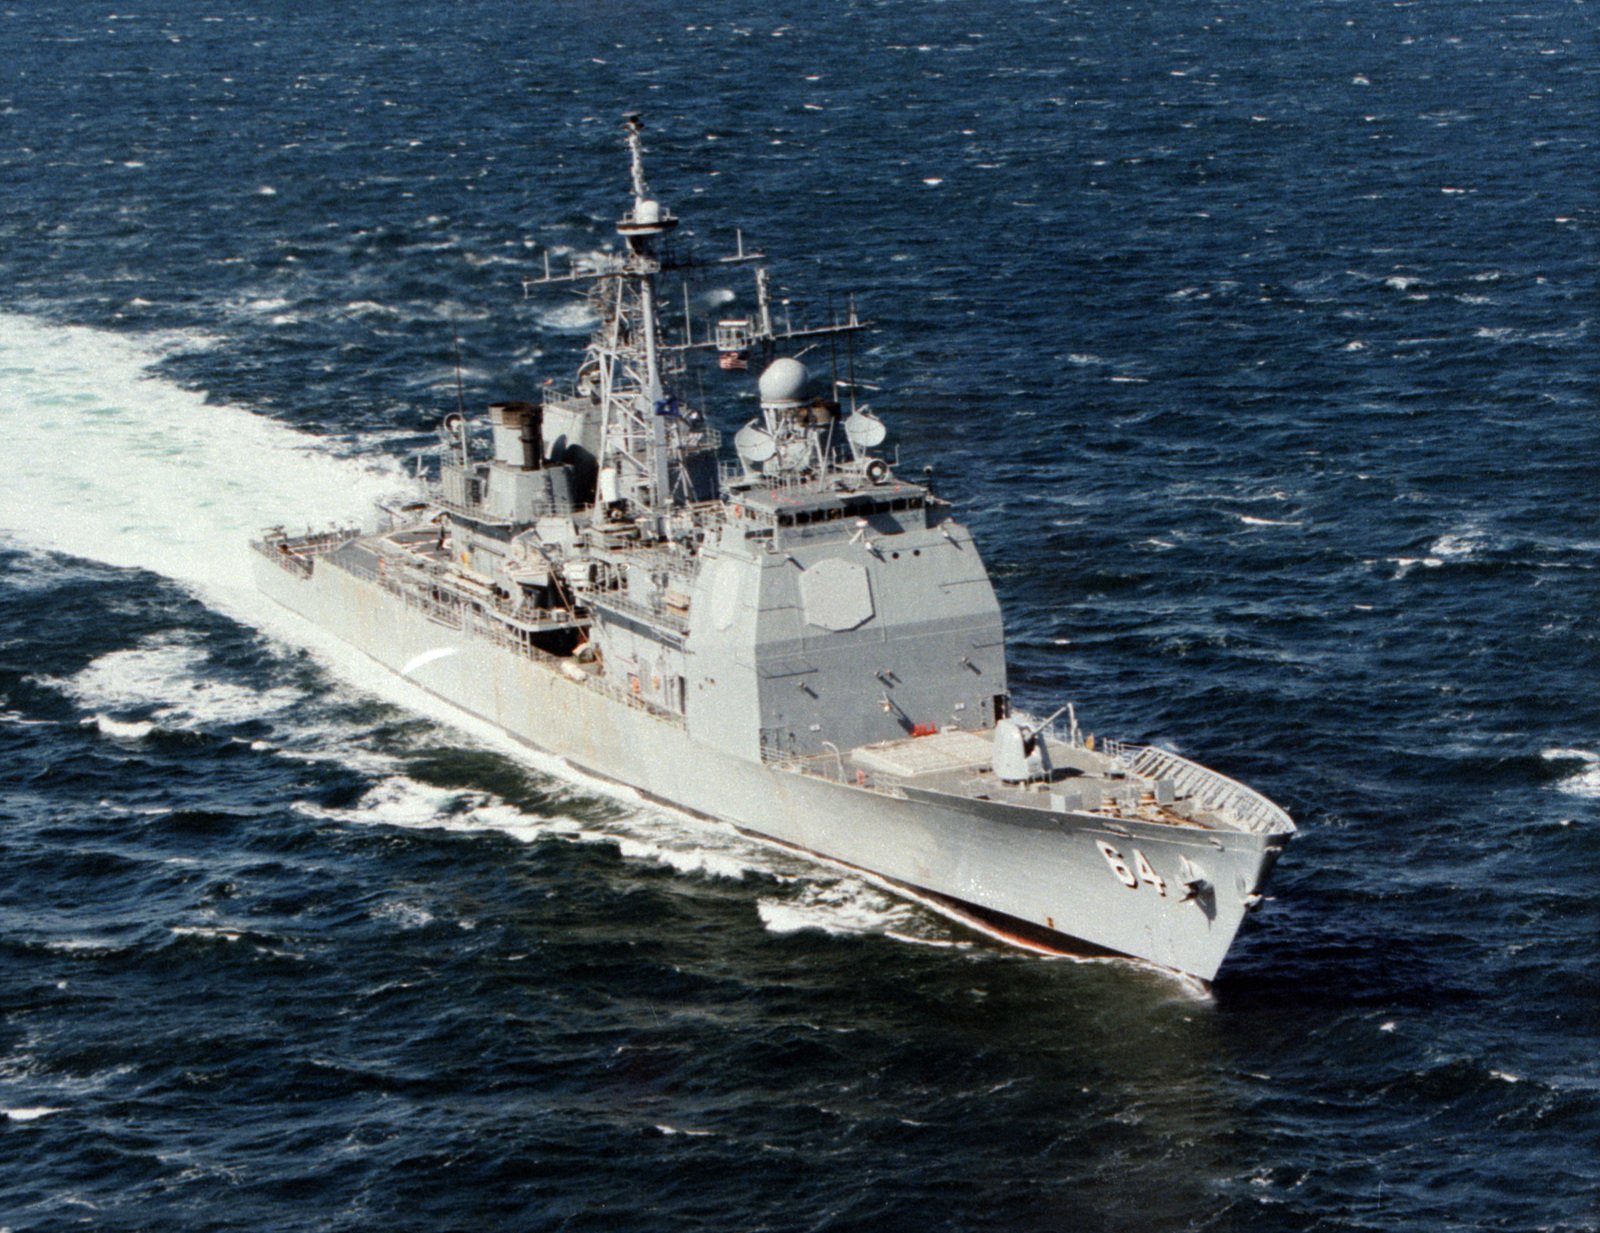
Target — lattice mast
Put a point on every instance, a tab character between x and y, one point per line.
635	442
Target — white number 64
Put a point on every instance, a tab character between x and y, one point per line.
1128	877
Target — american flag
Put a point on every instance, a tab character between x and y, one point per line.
732	361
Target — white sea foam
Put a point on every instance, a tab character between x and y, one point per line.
135	731
689	854
265	305
491	259
29	1114
654	836
362	308
330	742
170	675
404	915
1251	520
205	931
137	811
1462	546
690	845
71	945
840	908
22	721
402	801
133	677
1585	781
1404	565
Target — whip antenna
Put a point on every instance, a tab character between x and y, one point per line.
461	397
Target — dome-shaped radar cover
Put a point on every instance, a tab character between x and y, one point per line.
784	382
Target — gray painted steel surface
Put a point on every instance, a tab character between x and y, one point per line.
806	646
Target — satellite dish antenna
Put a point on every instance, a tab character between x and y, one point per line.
865	431
754	444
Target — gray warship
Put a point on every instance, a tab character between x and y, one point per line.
794	639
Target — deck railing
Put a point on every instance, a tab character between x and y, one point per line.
296	553
1245	807
479	622
831	766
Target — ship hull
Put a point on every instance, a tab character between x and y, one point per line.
1041	878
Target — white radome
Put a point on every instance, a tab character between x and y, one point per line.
784	383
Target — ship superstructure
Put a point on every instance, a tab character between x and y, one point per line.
795	640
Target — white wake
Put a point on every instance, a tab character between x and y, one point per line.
108	462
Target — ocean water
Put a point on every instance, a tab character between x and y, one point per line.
1256	342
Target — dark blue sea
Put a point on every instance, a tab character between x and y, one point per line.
1256	341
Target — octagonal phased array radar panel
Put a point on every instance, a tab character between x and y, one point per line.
836	594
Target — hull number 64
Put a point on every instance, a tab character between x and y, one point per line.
1142	870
